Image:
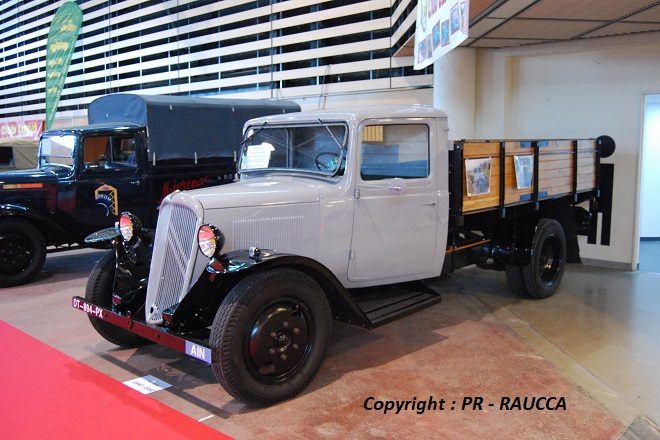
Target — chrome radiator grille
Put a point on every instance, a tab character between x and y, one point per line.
176	252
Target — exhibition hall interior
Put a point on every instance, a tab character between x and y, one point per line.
353	219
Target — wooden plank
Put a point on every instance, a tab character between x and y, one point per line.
558	145
587	144
565	172
473	150
550	164
515	148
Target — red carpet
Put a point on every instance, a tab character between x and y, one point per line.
47	394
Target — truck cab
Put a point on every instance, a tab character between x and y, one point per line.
95	169
338	189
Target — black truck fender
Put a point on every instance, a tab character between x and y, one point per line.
132	259
53	233
562	211
198	308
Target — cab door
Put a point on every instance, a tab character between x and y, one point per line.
395	221
111	180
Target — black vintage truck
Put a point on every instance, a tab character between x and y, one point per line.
136	150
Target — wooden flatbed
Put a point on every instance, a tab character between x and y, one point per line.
501	174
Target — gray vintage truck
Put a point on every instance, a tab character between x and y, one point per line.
337	215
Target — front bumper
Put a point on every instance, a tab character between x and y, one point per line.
195	348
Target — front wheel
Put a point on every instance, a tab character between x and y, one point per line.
99	292
543	274
270	336
22	252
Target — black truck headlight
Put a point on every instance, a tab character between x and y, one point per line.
210	240
128	225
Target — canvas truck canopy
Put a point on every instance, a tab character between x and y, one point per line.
18	153
184	127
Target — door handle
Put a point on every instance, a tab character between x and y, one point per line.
135	182
433	203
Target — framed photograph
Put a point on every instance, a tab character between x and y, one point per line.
444	33
422	51
455	18
436	36
477	174
524	170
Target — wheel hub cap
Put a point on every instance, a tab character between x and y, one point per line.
15	253
279	341
549	260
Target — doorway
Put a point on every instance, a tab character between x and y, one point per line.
649	209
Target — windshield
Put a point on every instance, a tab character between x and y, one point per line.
315	148
57	151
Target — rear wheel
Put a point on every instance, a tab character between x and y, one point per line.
99	292
270	336
543	274
22	252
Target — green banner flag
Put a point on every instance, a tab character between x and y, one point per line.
62	37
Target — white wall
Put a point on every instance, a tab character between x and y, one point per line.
649	222
454	79
579	89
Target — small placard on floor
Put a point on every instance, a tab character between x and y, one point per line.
147	384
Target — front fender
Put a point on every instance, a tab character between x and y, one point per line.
132	268
55	233
197	310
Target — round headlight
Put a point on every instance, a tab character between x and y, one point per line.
210	240
128	224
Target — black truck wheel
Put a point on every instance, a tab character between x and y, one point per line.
548	259
99	292
22	252
270	336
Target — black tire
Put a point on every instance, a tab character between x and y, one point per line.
22	252
270	336
99	292
543	274
514	279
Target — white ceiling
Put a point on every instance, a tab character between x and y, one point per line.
502	23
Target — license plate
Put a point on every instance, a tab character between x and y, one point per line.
88	308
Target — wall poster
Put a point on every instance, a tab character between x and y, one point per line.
441	26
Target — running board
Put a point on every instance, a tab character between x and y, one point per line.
384	304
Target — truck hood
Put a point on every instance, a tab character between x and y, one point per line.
279	213
27	176
256	192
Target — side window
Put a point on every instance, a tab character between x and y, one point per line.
108	153
95	150
390	151
123	151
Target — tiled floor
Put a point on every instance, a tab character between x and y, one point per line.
595	343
